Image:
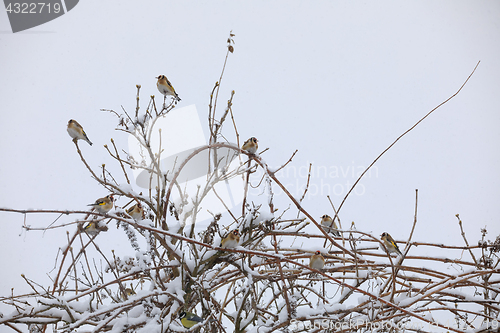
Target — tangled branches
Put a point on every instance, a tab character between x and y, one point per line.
175	262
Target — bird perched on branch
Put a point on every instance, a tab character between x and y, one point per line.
251	145
75	130
165	87
127	292
189	319
317	261
232	240
103	205
329	225
136	212
390	244
93	228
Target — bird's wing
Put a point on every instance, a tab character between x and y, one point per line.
100	202
394	244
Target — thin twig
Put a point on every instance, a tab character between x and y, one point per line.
462	232
399	137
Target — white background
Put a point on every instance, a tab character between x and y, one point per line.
339	81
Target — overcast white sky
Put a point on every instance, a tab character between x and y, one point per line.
339	81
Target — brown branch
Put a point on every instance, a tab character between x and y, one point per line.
289	161
399	137
462	232
120	160
307	183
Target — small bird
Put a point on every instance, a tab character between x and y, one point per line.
189	319
127	293
93	228
103	205
75	130
136	212
390	244
232	240
165	87
317	261
251	145
329	225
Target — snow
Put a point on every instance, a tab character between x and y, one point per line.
265	215
136	312
127	188
407	301
402	76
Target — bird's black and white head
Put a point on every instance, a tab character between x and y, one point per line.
182	315
317	252
161	77
254	140
326	217
236	232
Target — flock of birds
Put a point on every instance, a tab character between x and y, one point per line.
232	239
317	261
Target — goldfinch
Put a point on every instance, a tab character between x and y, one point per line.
103	205
251	145
232	240
390	244
75	130
165	87
189	319
329	225
127	293
317	261
136	212
93	228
